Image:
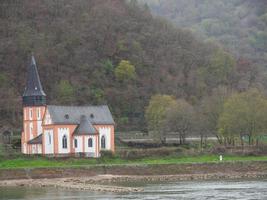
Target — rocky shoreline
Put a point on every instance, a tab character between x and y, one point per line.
111	183
113	178
68	183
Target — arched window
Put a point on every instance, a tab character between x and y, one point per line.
103	142
75	143
64	142
90	142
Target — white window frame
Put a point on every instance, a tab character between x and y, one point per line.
31	130
30	114
49	139
25	131
38	113
92	143
64	142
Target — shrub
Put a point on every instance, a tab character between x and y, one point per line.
106	154
142	153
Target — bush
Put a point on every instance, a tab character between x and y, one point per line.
142	153
106	154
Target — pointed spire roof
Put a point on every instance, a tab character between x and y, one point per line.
33	86
85	127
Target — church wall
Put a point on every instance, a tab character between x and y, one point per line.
39	148
108	132
80	144
47	118
53	145
92	151
67	130
39	128
61	133
33	148
48	141
32	125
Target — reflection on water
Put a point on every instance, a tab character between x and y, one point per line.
219	190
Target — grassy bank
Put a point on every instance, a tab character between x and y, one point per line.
37	162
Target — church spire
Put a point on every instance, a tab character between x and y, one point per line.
33	94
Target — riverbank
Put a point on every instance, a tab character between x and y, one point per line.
44	162
112	178
135	169
114	183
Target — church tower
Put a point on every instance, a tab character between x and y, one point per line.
34	104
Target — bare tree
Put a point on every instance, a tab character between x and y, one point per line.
179	118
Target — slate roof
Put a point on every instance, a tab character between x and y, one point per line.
33	86
85	127
72	114
36	140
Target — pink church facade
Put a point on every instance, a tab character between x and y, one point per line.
63	130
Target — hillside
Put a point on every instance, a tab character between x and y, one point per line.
108	52
240	26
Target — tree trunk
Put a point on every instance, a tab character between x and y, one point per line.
183	138
201	142
242	143
249	140
219	139
180	135
205	141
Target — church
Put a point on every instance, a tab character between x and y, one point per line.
53	130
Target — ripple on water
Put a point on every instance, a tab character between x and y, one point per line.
201	190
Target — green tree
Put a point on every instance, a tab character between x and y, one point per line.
244	114
156	115
3	80
65	92
125	71
108	66
217	72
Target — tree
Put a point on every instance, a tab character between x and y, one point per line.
166	58
219	68
244	114
156	115
65	92
201	125
108	66
211	108
125	71
179	118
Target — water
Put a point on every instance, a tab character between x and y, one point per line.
218	190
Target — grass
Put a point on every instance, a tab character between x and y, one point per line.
38	162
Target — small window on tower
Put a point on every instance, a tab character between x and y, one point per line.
30	114
92	116
67	116
39	113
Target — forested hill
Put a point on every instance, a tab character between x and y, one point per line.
239	25
108	52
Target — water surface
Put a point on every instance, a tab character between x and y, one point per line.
218	190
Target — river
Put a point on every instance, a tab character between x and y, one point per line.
218	190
